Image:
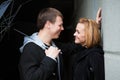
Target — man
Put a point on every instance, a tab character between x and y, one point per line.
35	62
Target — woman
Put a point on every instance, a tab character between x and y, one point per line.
88	61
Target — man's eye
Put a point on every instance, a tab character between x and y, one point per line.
60	25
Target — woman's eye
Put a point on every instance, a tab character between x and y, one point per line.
78	32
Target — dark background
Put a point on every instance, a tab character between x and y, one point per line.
25	21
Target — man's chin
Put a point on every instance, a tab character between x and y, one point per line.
56	37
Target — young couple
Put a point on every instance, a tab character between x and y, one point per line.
41	57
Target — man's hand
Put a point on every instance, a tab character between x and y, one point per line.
52	52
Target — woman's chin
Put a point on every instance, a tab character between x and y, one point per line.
77	42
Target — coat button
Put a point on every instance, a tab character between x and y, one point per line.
91	69
54	74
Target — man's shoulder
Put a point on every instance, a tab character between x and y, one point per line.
32	45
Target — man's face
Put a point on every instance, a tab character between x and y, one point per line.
57	27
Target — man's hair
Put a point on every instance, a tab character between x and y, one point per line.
47	14
92	32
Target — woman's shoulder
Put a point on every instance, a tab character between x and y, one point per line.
98	50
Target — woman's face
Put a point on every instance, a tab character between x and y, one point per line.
80	34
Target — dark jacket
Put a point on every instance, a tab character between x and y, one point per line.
82	63
35	65
88	64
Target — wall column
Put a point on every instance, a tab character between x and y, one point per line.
111	38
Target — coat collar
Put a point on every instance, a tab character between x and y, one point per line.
83	52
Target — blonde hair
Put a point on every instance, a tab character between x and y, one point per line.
92	32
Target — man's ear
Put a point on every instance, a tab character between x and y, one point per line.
48	24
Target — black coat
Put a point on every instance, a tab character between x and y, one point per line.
35	65
83	63
88	64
